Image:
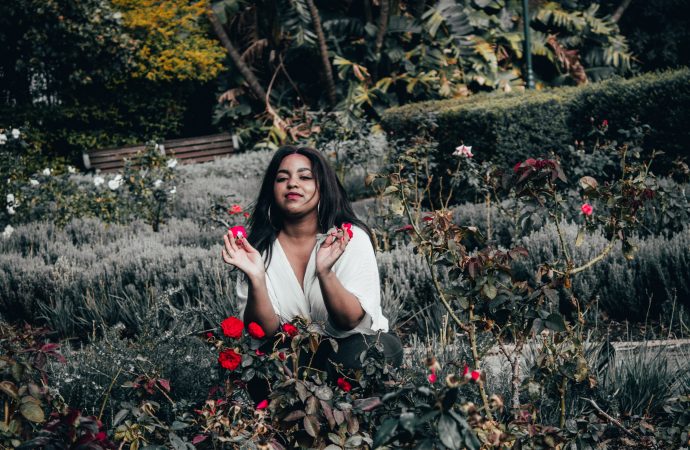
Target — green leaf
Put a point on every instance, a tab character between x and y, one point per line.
386	432
32	411
324	393
489	290
580	237
311	426
408	422
448	432
555	322
10	389
629	250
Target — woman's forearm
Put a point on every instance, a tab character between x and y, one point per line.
344	309
259	308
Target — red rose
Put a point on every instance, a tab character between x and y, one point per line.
347	227
530	161
263	404
238	231
475	375
256	331
232	327
587	209
604	123
229	359
235	209
290	329
281	356
344	384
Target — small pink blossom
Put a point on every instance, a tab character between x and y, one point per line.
604	123
475	375
463	150
432	376
587	209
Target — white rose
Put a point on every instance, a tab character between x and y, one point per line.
34	182
10	210
15	133
71	169
46	171
8	231
97	181
157	183
115	183
173	190
3	138
171	163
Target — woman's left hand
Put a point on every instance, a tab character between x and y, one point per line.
331	249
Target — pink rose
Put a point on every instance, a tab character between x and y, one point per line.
587	209
238	231
463	150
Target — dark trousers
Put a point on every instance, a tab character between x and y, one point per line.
347	357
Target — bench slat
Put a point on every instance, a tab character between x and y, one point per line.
203	152
200	139
193	148
202	159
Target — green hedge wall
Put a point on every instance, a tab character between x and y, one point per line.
507	128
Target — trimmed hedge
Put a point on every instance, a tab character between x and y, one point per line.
507	128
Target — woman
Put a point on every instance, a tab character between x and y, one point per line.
308	255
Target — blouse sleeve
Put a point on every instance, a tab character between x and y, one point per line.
358	272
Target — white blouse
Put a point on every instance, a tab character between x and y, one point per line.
356	270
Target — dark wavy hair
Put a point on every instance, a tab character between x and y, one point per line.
334	207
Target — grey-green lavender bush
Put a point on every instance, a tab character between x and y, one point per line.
95	371
90	272
625	289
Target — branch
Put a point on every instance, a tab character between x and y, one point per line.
620	10
611	419
248	75
599	257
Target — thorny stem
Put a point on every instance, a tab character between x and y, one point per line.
514	360
566	253
472	332
564	385
107	393
595	260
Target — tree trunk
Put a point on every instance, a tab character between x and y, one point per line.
323	49
417	7
368	16
246	72
381	33
620	10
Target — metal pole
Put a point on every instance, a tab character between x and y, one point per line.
527	45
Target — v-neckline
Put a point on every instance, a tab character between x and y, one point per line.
292	269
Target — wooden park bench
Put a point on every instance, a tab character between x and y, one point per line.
186	150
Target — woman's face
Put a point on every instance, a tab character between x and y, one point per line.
294	190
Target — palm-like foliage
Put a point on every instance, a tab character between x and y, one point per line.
393	53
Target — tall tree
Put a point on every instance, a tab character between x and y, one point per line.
323	51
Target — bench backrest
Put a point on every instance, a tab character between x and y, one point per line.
186	150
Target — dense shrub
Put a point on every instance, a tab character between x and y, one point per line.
512	127
658	274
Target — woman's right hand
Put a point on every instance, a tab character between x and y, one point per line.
239	253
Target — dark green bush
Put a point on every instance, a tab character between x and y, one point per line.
511	127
